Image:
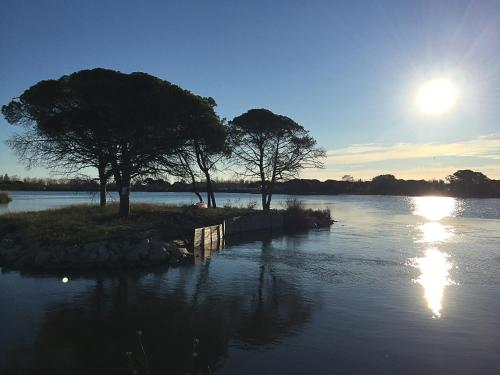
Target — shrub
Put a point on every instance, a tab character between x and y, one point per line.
299	218
4	198
252	205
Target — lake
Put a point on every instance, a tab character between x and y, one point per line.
399	285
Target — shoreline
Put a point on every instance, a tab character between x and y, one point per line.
305	194
90	237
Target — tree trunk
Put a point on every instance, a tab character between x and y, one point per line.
200	198
103	180
268	203
212	195
264	201
193	179
195	190
214	204
210	191
124	193
209	197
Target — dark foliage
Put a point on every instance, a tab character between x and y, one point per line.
487	189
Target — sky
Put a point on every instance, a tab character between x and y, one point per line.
348	71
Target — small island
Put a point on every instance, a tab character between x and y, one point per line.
91	237
85	122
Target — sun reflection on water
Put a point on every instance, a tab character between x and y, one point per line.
434	232
434	277
434	265
435	208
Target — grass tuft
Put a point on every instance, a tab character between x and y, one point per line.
297	217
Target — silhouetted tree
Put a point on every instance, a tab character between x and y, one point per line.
468	183
272	148
466	176
206	144
62	130
347	178
383	184
129	122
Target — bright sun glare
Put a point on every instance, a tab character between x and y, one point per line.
437	96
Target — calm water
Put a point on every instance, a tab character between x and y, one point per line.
399	285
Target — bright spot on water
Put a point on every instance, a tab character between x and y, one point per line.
435	208
435	232
65	280
434	277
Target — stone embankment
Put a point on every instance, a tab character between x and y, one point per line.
130	253
115	254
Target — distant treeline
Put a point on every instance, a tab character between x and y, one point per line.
463	183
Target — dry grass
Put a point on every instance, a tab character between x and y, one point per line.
299	218
86	223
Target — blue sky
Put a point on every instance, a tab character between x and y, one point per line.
347	71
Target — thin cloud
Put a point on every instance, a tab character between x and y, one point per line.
412	160
483	147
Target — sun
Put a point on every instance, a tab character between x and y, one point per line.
437	96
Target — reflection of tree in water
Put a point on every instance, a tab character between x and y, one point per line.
92	334
277	310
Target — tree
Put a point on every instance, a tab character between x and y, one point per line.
347	178
467	177
208	143
149	120
384	184
186	169
469	183
123	124
205	145
63	129
272	148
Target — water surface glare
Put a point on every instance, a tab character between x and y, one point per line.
399	285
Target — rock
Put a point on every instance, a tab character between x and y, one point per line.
10	254
57	253
143	248
114	259
158	251
179	252
178	243
174	261
25	260
132	256
131	253
42	258
6	243
89	252
103	254
71	255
